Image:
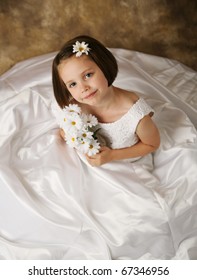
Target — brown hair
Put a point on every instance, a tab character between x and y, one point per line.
98	53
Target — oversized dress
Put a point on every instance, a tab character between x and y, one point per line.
54	205
129	209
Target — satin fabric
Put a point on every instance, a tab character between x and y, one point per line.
54	205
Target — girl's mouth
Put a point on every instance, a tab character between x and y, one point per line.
90	95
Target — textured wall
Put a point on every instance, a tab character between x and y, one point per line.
160	27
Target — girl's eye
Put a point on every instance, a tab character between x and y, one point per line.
88	75
72	85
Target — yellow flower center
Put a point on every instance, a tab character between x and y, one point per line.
73	139
91	146
64	119
84	135
73	123
81	49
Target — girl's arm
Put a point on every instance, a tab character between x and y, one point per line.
149	141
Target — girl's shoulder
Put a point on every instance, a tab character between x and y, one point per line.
136	104
129	97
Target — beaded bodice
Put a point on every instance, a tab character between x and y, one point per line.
122	133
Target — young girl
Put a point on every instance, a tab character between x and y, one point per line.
83	74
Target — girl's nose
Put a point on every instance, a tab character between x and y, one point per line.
84	88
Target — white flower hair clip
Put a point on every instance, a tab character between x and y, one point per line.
80	48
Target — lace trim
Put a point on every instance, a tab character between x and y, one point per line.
121	133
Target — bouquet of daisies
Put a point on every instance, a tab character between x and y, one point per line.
79	129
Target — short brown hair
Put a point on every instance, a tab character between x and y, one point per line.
98	53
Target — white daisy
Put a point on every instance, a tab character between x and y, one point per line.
71	140
89	120
94	147
80	48
73	122
72	108
84	146
85	135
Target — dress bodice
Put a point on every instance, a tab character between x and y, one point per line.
122	133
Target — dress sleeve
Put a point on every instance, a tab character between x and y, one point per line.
141	109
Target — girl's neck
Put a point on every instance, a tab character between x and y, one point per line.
105	109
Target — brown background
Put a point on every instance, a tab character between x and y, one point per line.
161	27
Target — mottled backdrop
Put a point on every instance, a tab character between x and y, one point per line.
161	27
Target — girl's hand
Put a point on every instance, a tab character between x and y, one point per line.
62	133
104	156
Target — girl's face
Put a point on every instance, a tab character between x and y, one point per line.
84	79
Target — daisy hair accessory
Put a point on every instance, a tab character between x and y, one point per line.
80	48
78	129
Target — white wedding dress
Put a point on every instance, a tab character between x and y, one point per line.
138	211
54	205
